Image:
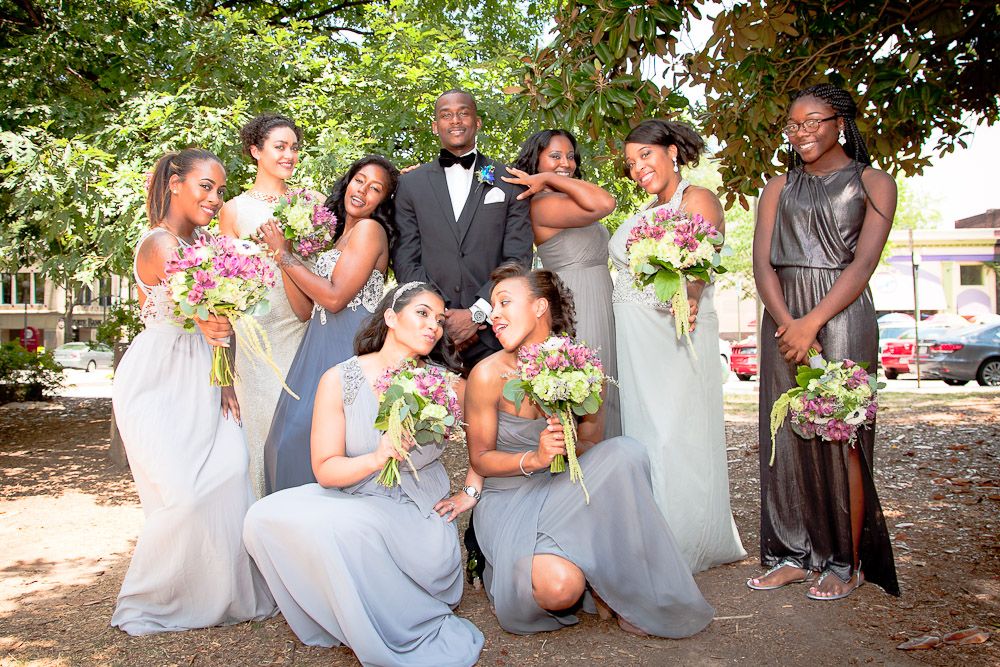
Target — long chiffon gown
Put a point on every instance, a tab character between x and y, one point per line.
189	568
620	541
371	567
329	340
257	385
805	509
579	256
672	403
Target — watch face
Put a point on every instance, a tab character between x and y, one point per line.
478	316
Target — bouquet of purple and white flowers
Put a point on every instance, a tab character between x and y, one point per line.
306	222
832	401
666	249
564	378
226	277
418	404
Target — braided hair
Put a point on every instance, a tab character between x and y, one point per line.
544	284
847	110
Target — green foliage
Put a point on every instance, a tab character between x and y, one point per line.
121	324
27	376
916	66
94	92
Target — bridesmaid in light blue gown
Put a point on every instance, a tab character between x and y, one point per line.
343	290
350	561
671	398
549	553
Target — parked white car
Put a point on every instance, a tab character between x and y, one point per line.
86	356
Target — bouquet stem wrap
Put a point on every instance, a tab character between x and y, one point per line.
397	426
559	463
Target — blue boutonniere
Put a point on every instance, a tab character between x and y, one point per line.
485	175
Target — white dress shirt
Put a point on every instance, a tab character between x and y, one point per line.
459	183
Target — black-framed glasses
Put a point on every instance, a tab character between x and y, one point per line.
810	125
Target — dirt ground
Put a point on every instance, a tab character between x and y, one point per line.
68	522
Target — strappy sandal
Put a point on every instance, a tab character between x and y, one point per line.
857	576
808	577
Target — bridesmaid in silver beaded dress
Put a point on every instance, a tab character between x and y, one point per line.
570	239
671	398
346	287
273	143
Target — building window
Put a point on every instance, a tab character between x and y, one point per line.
6	289
22	292
970	274
83	296
38	280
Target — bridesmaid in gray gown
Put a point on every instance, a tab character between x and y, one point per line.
570	240
548	553
346	287
350	561
820	232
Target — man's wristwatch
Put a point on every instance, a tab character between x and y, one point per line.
480	311
472	491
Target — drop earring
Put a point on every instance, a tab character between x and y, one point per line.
843	140
675	166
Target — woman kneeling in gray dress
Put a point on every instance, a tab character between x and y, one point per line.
548	552
350	561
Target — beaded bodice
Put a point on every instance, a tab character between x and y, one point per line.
368	297
625	290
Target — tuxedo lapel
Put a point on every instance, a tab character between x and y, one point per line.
439	185
475	196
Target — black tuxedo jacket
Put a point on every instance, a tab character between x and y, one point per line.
458	255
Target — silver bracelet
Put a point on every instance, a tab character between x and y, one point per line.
520	464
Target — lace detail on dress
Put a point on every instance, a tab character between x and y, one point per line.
353	377
625	290
369	296
158	306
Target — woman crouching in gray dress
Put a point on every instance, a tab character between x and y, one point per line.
350	561
547	551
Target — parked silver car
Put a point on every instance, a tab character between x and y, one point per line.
967	354
84	355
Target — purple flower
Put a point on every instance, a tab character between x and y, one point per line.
838	431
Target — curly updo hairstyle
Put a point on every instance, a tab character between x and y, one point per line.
384	214
846	109
255	132
535	145
177	163
371	336
668	133
546	285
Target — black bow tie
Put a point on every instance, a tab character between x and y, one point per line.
448	159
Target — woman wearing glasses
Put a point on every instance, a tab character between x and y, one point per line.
820	231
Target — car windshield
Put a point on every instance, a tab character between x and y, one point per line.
888	332
929	333
73	346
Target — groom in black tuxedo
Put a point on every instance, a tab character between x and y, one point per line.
457	222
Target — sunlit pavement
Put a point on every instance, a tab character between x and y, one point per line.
81	384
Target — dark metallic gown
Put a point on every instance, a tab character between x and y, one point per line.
805	503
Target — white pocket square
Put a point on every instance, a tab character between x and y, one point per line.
494	196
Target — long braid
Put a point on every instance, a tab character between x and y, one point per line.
847	110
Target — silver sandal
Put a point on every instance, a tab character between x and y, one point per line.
787	562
